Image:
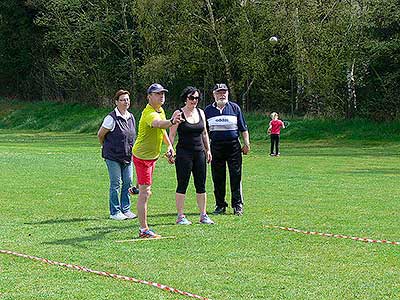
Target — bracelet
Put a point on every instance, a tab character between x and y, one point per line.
172	122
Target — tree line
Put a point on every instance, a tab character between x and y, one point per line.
333	58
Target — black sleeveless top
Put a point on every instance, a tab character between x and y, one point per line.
190	135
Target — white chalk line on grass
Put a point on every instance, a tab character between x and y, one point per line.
107	274
339	236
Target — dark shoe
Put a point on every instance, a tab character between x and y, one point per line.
238	211
133	190
219	210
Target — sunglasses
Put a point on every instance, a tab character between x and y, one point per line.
193	98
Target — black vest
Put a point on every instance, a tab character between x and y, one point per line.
119	142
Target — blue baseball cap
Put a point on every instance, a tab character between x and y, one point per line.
156	88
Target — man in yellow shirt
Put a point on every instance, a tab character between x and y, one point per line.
147	148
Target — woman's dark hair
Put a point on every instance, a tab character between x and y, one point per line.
187	91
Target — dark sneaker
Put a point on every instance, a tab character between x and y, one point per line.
238	211
133	190
219	210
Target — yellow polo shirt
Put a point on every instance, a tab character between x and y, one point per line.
149	140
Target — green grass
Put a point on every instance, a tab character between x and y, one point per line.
54	204
51	116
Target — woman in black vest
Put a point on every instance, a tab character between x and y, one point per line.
192	152
117	135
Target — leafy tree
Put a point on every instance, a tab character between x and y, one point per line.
334	58
19	58
92	46
379	94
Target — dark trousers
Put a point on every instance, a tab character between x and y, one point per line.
227	153
275	144
187	162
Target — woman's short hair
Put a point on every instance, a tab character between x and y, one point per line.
187	91
119	93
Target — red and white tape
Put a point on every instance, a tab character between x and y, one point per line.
339	236
107	274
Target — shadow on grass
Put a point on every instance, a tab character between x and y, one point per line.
78	220
173	215
108	229
99	234
58	221
76	242
173	218
335	148
387	171
340	154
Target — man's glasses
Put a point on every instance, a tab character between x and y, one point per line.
193	98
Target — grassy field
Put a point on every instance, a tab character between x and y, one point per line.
54	204
77	118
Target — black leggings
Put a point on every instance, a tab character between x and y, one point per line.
187	162
275	144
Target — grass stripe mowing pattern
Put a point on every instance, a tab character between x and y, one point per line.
54	197
102	273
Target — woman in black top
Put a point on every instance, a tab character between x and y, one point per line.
192	153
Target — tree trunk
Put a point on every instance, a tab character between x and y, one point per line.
351	92
221	52
130	51
299	59
244	95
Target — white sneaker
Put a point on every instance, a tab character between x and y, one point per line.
118	216
130	215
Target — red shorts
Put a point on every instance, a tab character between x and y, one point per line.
144	170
